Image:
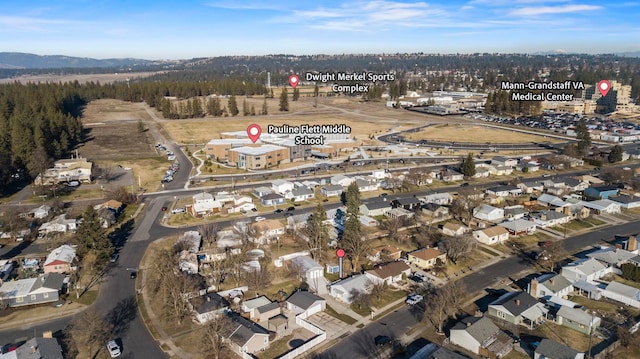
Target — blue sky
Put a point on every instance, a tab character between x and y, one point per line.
185	29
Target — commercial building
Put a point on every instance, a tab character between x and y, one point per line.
265	156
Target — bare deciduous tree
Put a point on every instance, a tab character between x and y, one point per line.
444	302
213	336
209	233
89	331
456	247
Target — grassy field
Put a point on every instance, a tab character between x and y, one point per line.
465	133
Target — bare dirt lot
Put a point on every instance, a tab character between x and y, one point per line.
365	119
478	134
103	78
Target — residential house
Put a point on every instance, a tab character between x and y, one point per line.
519	227
331	190
399	213
204	205
43	289
450	175
549	200
585	269
388	273
550	285
491	235
240	204
59	224
514	212
518	308
345	289
612	257
60	260
530	187
554	182
384	253
550	218
481	336
531	166
602	206
188	262
504	161
272	199
211	306
262	191
250	305
487	212
263	313
601	192
622	293
366	186
301	194
443	199
435	211
305	303
426	258
40	212
311	272
246	336
66	170
341	180
282	186
375	207
501	170
626	202
408	203
36	348
577	319
433	351
575	184
593	181
268	230
504	191
454	229
550	349
482	172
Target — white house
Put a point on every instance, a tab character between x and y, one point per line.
375	208
341	180
345	289
366	186
504	161
312	272
491	235
40	212
585	269
305	303
281	186
301	194
268	230
204	204
519	227
602	206
626	202
442	199
388	273
59	224
550	285
550	218
211	307
332	190
551	201
454	229
479	335
486	212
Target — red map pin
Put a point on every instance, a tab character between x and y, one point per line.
604	86
254	132
293	80
340	253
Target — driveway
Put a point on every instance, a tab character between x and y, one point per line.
333	326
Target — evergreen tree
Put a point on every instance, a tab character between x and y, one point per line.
583	136
91	237
296	94
264	107
284	100
233	106
615	155
317	232
316	91
353	239
252	112
468	167
245	108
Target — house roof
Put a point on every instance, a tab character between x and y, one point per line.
302	191
552	349
554	282
37	348
453	226
480	329
599	205
280	182
518	225
577	315
426	253
604	188
514	211
586	266
272	196
203	196
306	263
62	254
625	199
516	302
268	307
504	188
263	189
303	299
438	196
358	282
485	209
494	231
212	302
245	330
611	255
51	281
332	188
256	302
627	291
551	199
268	224
390	269
406	200
551	215
377	204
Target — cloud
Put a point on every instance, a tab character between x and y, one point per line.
38	24
247	5
543	10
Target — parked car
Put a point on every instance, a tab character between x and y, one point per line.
113	348
73	184
177	210
278	211
291	209
114	258
133	275
413	299
259	218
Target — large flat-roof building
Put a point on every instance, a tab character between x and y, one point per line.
265	156
218	149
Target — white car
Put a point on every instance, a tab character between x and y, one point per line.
258	219
413	299
113	348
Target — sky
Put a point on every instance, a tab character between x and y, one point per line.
185	29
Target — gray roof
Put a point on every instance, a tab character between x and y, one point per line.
554	350
269	307
303	299
504	188
554	282
305	263
517	225
407	200
45	348
271	196
377	204
550	215
333	187
52	281
480	329
515	211
212	302
625	199
612	255
623	289
302	191
577	315
516	302
245	330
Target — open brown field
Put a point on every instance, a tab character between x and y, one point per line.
365	119
81	78
477	134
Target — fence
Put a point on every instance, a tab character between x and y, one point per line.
308	345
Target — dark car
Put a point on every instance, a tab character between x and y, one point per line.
254	209
382	340
288	214
291	209
164	209
114	257
133	275
466	184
